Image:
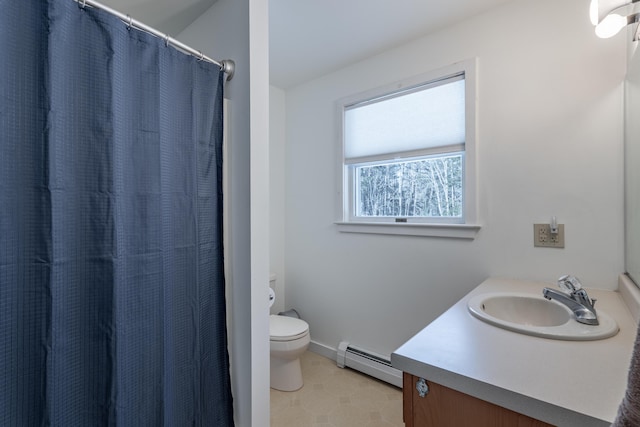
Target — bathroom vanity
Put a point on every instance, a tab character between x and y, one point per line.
460	370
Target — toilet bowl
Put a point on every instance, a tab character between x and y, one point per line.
289	339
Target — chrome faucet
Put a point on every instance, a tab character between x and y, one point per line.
573	296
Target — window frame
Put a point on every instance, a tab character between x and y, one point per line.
468	227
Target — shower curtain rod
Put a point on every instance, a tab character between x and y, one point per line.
226	65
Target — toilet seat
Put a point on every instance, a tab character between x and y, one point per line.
284	328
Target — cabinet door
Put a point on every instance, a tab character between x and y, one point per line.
444	407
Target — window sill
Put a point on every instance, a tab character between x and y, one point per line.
453	231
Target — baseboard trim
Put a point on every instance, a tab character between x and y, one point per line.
323	350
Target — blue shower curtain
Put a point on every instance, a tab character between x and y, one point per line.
112	308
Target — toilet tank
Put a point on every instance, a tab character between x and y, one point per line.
278	304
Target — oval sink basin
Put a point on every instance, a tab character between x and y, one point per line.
534	315
525	310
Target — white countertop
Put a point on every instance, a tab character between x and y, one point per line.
564	383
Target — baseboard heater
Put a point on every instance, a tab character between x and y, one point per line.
368	363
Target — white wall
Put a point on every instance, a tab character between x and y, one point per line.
550	143
259	208
238	30
277	141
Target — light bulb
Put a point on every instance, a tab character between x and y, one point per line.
610	26
594	12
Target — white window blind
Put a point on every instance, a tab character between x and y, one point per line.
421	119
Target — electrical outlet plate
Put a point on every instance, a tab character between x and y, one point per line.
542	236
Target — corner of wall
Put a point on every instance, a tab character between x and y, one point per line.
630	294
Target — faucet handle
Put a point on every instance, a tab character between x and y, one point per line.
583	298
569	284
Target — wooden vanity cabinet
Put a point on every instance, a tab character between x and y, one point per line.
444	407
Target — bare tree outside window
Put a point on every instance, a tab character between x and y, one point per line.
428	187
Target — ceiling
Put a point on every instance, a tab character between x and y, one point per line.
169	16
311	38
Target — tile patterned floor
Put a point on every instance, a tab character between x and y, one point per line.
335	397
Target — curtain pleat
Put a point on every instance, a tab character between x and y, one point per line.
112	308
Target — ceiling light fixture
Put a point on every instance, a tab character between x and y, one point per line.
610	16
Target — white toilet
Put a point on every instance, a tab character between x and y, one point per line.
289	339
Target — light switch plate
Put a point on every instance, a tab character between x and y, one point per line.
542	236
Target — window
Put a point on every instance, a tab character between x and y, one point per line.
408	156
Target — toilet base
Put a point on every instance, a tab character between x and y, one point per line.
286	374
